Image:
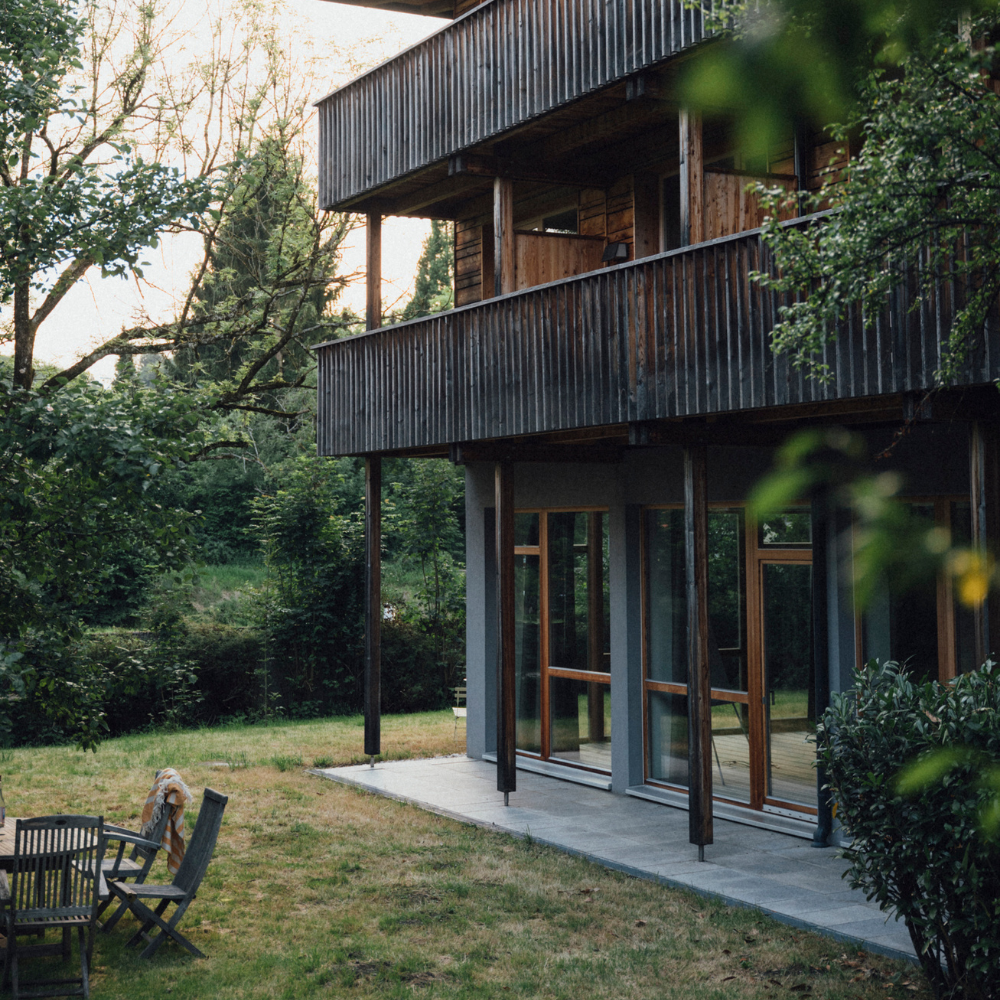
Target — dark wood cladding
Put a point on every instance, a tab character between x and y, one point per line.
681	334
496	67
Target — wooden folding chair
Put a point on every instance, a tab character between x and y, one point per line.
184	886
50	888
135	867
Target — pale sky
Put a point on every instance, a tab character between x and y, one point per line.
96	309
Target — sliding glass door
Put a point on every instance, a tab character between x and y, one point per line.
563	653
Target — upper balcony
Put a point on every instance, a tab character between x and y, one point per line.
534	67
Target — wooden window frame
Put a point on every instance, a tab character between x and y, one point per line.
545	671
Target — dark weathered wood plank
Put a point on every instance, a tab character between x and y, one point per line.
373	271
373	606
700	825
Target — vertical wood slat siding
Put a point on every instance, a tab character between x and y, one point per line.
493	69
685	333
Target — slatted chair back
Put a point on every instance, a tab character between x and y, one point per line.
202	845
53	856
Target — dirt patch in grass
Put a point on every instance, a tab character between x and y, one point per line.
318	890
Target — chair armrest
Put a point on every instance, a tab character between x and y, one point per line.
103	892
112	828
130	838
121	889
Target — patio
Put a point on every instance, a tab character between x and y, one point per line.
781	875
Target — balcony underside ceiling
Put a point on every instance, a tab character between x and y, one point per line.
430	8
587	144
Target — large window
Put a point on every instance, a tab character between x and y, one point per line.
760	655
563	651
920	623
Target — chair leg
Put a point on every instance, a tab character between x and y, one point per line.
115	917
85	962
12	947
170	930
147	918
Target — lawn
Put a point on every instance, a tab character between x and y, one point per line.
321	890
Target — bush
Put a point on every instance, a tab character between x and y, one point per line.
925	853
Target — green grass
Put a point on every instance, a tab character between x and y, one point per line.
218	585
320	890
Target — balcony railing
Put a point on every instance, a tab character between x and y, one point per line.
684	333
496	67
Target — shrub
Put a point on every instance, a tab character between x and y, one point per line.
926	853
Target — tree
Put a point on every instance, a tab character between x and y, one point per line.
231	124
434	289
919	206
75	476
64	210
791	62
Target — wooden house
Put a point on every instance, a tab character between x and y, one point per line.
607	382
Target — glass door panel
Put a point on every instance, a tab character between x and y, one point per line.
527	650
901	620
667	737
666	598
728	652
581	722
789	681
563	636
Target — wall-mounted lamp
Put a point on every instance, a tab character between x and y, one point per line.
614	252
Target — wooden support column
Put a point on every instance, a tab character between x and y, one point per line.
692	178
503	236
699	674
373	271
984	490
373	606
595	622
506	662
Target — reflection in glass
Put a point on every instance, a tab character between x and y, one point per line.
727	599
789	681
667	737
965	632
791	527
582	736
666	598
525	529
901	623
527	650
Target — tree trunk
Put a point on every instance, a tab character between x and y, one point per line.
24	336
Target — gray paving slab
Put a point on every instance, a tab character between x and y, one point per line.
746	866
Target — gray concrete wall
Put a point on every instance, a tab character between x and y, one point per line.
480	614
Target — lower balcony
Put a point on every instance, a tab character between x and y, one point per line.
681	334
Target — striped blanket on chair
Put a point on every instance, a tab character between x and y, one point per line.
168	792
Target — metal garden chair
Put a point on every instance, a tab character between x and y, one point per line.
184	886
50	888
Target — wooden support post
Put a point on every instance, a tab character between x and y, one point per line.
802	158
373	272
699	674
595	622
506	662
820	511
692	177
503	235
984	490
373	606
